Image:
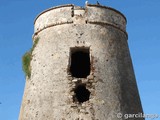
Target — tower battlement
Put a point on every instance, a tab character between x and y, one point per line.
71	14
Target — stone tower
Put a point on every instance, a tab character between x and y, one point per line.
81	67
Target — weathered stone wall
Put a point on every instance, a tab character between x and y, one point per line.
54	16
49	92
67	13
106	15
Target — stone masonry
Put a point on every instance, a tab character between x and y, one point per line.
53	92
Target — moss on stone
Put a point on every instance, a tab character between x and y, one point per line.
26	59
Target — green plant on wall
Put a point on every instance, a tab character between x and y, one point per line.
26	59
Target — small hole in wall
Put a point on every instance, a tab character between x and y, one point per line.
81	94
80	62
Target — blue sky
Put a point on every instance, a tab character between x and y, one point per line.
16	29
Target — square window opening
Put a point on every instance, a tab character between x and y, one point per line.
79	62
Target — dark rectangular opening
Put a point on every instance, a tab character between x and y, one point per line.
80	62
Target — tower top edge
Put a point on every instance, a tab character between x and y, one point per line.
78	7
110	8
55	7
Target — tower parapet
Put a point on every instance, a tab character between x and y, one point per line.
70	14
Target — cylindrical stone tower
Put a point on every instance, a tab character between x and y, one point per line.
81	67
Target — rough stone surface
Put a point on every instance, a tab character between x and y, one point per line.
49	92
